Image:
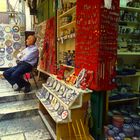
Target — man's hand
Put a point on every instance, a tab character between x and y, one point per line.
17	61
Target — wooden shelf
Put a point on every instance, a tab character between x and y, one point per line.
71	24
45	72
128	23
71	67
128	53
124	100
134	75
53	114
131	9
129	35
73	9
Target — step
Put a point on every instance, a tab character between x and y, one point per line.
28	128
17	96
18	109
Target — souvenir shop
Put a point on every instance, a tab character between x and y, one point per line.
90	55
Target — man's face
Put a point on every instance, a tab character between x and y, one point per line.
30	40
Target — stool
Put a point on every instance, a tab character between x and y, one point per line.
33	76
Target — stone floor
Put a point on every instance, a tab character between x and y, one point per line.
19	118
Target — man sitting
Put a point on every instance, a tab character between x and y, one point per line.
27	59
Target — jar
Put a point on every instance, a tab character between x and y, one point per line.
128	130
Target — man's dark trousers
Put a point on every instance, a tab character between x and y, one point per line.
15	74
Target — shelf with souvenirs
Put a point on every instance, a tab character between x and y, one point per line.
64	104
66	21
129	31
128	75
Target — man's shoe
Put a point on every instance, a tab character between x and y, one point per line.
18	89
27	88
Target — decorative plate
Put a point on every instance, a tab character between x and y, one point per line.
9	50
17	45
60	110
51	82
2	62
42	90
1	34
7	29
1	28
57	106
48	80
15	28
16	37
58	87
2	39
80	77
47	95
69	94
8	43
15	53
64	114
54	101
62	90
9	57
65	93
8	36
54	84
2	50
50	97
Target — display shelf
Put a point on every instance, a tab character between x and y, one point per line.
128	39
66	37
129	23
55	95
55	121
134	75
70	11
77	118
128	53
123	100
43	71
53	114
70	86
131	9
129	35
59	99
69	25
77	89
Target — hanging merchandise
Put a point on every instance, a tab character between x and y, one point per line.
49	47
10	43
108	4
96	44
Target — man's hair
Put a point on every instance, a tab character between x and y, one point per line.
34	39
